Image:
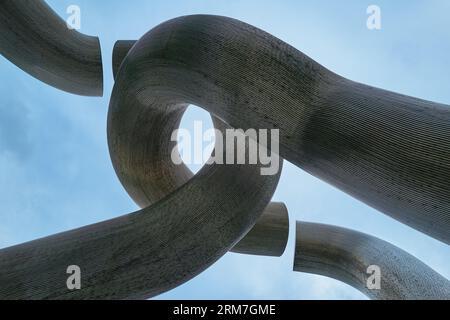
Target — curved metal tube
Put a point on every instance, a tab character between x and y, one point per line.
37	40
154	173
346	255
140	255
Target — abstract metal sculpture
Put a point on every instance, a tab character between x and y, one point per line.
387	150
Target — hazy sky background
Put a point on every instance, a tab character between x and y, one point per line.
55	170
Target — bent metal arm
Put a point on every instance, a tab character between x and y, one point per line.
37	40
348	256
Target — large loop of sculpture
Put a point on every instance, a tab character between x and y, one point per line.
388	150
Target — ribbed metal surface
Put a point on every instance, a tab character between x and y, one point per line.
388	150
346	255
37	40
154	173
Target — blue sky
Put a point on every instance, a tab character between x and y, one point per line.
55	171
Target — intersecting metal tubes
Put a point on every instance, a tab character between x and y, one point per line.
388	150
158	176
